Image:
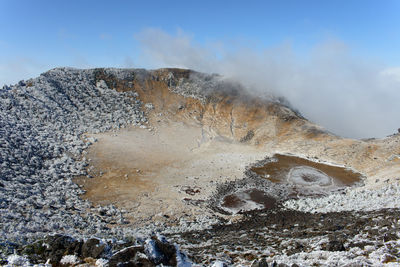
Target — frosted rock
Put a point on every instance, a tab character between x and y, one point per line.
352	200
101	262
149	106
40	144
219	264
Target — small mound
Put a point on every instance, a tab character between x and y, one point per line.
308	176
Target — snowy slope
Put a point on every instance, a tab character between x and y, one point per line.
41	126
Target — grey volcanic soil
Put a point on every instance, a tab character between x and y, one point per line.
289	232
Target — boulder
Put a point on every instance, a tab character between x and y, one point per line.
334	245
260	263
160	252
130	256
60	245
93	248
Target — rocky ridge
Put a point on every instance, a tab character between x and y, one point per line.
43	122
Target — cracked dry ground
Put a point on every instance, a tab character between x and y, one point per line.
279	231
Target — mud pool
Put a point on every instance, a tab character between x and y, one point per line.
246	200
305	177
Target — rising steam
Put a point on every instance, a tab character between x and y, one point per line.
345	94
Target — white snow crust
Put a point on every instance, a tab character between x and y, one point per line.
69	259
351	200
316	178
42	126
16	260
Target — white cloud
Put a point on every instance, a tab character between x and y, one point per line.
391	73
177	51
347	95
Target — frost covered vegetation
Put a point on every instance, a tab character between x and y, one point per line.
42	122
387	197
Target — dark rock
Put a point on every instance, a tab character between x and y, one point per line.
62	242
282	265
124	255
139	261
247	137
334	245
129	257
93	248
8	247
128	242
126	264
35	252
389	236
60	245
260	263
335	227
388	258
250	256
103	213
166	252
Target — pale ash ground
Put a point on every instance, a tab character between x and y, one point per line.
154	172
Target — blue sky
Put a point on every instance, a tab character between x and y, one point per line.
337	61
38	35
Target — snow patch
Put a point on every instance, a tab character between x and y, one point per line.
219	264
101	262
16	260
69	259
149	106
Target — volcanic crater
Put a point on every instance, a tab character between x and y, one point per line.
210	138
209	158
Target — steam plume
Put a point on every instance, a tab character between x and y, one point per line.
347	95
